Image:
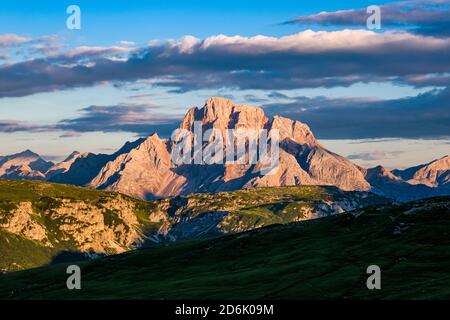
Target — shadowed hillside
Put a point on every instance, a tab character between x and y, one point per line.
317	259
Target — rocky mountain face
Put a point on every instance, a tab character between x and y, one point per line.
146	168
24	165
80	169
40	221
434	174
424	181
64	165
146	171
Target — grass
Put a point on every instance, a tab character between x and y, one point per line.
46	197
248	209
18	253
319	259
257	207
254	197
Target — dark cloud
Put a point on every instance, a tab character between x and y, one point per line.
7	126
426	17
251	98
365	141
424	116
304	60
277	95
70	134
49	157
136	119
368	156
374	155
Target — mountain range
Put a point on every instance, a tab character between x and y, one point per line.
144	168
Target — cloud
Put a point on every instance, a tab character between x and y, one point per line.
304	60
419	16
368	156
254	99
424	116
374	155
90	52
70	134
50	157
277	95
7	40
365	141
129	118
7	126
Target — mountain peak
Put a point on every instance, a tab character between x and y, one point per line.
218	103
25	164
443	160
293	130
380	172
74	154
26	154
433	174
222	114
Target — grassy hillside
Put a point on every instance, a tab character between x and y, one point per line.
39	220
323	258
248	209
17	252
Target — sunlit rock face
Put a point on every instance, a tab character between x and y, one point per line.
148	167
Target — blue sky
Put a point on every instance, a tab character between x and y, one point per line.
62	90
106	22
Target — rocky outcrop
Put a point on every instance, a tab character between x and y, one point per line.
204	215
20	220
112	227
108	226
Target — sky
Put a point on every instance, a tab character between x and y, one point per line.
376	96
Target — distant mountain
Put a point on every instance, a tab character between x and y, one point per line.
64	165
435	174
145	168
41	222
23	172
424	181
83	169
79	169
408	173
25	165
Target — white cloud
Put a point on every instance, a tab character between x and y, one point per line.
11	39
